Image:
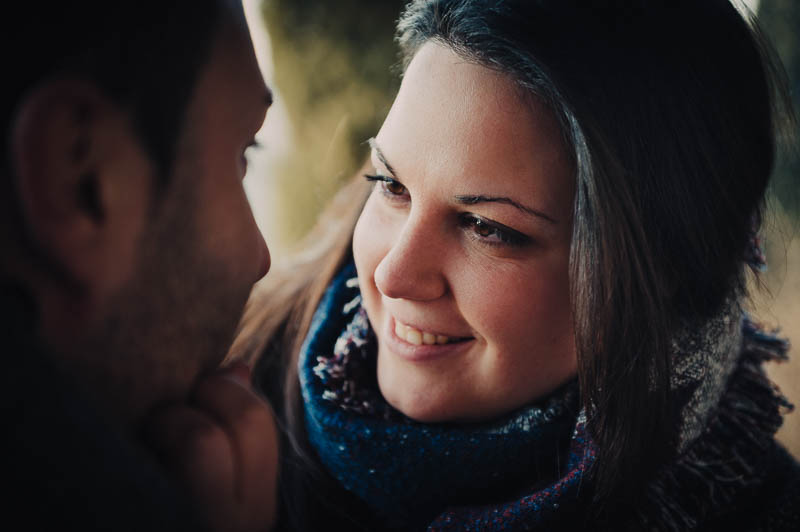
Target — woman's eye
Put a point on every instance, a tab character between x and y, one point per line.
491	232
393	187
389	186
484	229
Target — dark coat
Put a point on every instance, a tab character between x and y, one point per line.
64	468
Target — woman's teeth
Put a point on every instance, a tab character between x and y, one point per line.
417	337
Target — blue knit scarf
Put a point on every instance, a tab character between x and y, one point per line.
529	469
521	468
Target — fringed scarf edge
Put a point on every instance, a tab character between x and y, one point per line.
717	468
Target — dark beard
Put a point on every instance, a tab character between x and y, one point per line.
172	322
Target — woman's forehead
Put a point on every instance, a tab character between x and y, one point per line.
454	118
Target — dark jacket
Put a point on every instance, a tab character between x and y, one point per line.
64	468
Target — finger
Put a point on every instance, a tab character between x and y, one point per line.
197	450
250	426
238	370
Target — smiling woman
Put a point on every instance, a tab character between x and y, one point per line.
448	227
532	317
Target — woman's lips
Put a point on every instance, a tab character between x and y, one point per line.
417	345
415	336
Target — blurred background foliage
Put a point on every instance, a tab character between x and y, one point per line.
333	72
333	67
780	20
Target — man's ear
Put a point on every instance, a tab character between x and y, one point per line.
83	182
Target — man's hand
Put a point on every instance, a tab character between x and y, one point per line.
223	446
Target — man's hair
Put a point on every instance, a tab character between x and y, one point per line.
145	56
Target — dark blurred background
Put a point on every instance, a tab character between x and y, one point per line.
334	69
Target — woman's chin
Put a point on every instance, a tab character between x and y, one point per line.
414	403
422	404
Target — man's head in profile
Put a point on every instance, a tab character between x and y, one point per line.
125	226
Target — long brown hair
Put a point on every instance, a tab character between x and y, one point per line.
673	140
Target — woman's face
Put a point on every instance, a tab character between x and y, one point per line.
462	249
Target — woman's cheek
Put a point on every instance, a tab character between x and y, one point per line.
364	241
374	235
369	241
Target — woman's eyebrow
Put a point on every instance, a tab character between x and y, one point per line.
472	200
467	199
381	157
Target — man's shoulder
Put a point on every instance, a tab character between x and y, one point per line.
65	467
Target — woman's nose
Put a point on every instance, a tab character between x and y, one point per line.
413	267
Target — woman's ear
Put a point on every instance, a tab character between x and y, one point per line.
83	182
